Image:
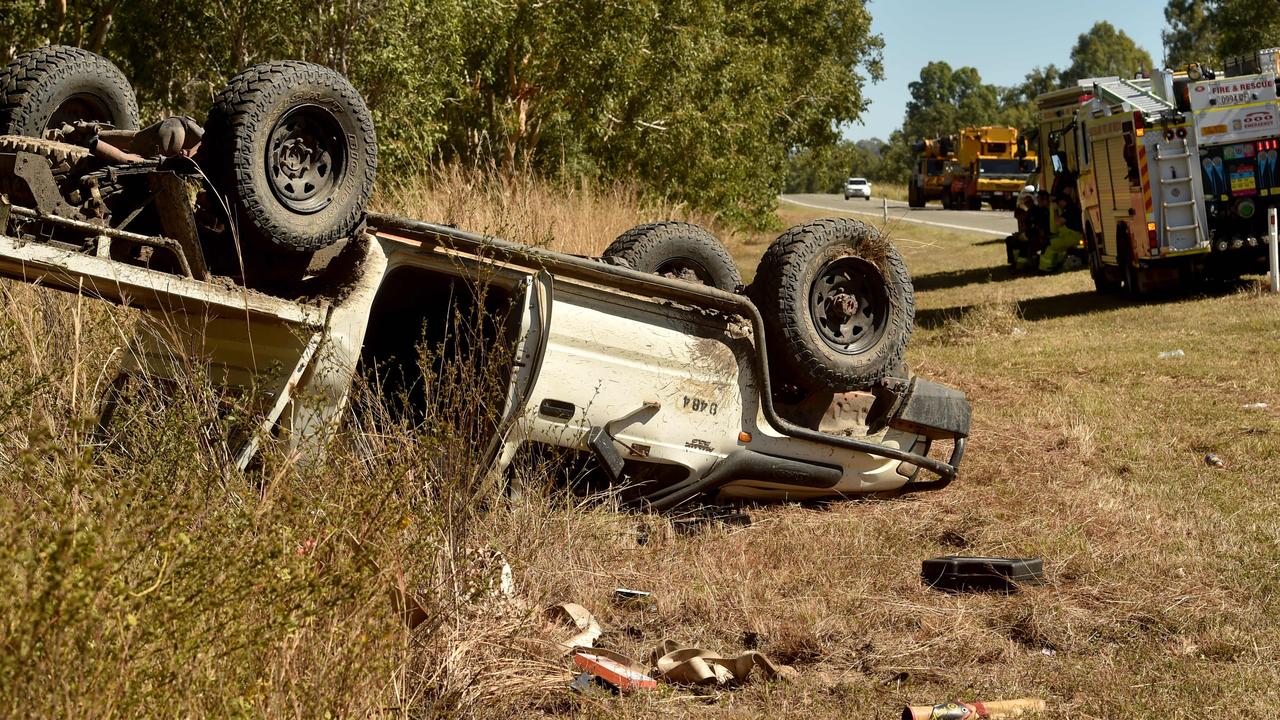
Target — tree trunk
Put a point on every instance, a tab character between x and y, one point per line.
101	28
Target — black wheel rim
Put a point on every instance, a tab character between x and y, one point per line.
82	106
849	305
686	269
306	158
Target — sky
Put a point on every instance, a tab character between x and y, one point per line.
1003	40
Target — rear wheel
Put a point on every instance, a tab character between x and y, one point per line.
1133	279
837	304
44	89
1102	282
677	250
294	147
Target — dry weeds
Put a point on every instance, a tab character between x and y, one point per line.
581	219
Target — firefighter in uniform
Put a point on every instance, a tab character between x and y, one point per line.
1067	231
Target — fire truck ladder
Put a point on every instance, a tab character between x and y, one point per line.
1119	90
1176	183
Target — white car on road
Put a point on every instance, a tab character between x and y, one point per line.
857	187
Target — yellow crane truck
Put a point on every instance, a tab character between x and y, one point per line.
928	177
991	166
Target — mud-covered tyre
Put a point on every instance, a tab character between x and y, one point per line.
678	250
837	303
45	88
292	146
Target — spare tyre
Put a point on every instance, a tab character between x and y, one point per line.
677	250
837	304
292	146
46	88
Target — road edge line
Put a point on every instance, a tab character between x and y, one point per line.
949	226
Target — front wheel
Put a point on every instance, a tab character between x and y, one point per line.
837	303
677	250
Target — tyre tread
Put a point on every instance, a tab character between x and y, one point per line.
637	243
238	110
27	72
780	292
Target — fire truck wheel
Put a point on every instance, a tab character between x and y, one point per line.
677	250
837	304
1102	281
293	146
46	88
1133	278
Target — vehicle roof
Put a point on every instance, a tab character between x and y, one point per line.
858	180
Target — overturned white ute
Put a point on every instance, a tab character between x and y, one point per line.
653	367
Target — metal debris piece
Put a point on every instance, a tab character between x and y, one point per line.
615	669
626	596
587	684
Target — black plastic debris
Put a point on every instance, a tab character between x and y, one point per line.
958	573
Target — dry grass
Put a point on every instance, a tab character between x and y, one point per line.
893	191
581	219
155	583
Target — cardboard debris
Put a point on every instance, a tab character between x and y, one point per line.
581	619
695	666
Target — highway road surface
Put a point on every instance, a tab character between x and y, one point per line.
996	223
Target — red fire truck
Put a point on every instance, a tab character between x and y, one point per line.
1174	173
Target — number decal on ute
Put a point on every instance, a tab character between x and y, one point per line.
694	404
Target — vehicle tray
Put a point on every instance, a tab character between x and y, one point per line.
957	573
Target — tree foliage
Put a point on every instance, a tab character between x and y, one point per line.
1192	34
1244	26
944	99
824	169
1105	51
695	100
